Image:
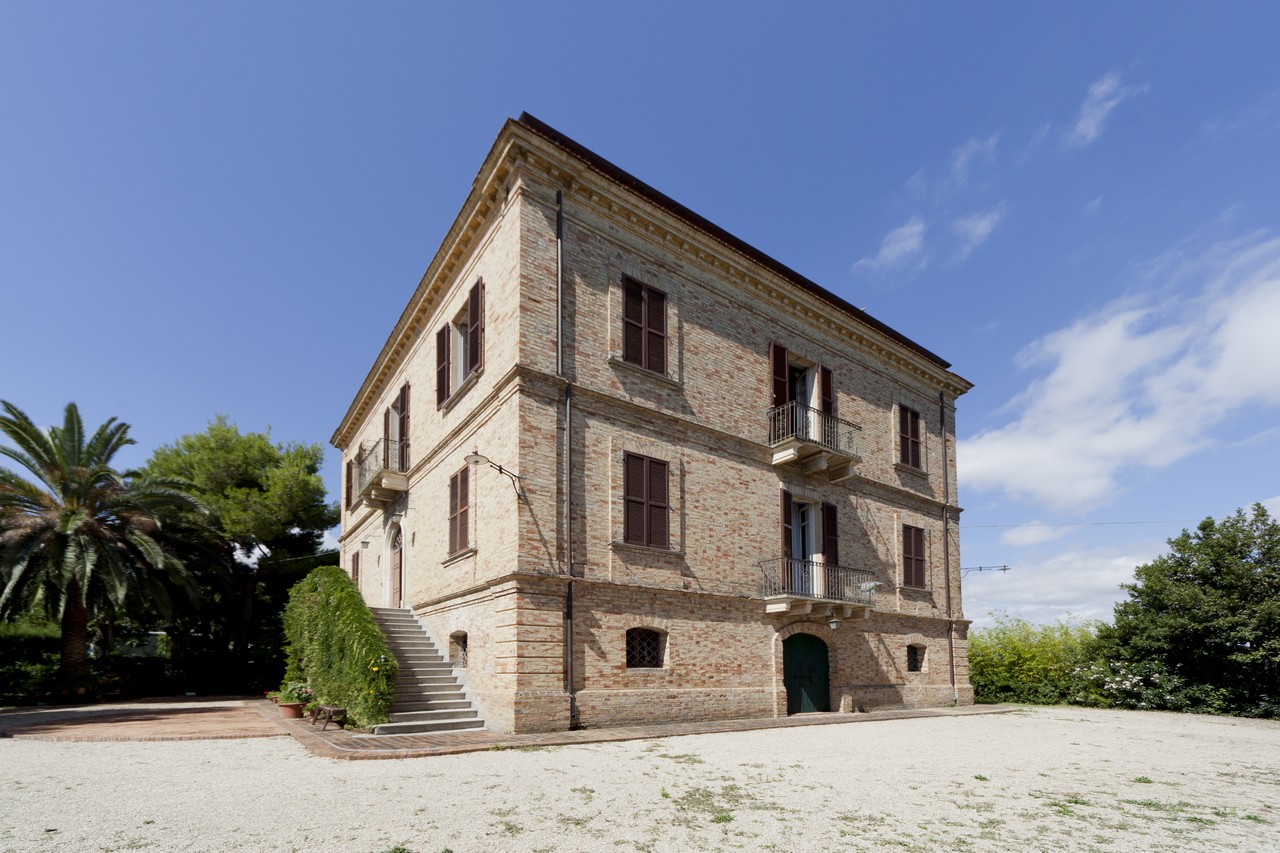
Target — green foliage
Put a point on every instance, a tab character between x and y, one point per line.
1016	661
1201	629
335	646
82	541
261	495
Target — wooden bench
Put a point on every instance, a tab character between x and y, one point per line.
331	714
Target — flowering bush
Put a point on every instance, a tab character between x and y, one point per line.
335	646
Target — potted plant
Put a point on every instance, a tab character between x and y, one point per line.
293	696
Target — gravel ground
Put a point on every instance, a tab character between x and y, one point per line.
1036	779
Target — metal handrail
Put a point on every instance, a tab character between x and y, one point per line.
382	455
805	423
812	579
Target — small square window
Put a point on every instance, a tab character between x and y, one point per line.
644	648
915	658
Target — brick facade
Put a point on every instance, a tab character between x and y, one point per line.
567	426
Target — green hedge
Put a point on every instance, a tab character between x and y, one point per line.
336	647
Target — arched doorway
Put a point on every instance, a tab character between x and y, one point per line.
805	674
397	568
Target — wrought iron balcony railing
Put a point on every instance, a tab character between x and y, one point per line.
803	423
824	582
382	455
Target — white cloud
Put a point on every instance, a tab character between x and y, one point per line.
1140	384
1272	505
973	151
901	246
1093	207
974	229
1106	93
1077	584
916	185
1035	533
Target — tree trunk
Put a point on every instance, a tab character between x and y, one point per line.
75	635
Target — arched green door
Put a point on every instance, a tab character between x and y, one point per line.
805	674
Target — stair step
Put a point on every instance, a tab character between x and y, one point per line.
432	716
420	728
414	705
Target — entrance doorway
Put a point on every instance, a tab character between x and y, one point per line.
397	568
805	674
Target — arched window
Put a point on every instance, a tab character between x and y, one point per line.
645	648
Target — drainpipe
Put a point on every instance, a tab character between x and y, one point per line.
568	466
946	543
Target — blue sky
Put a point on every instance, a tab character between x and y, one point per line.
1079	207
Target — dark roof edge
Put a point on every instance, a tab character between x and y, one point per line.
677	209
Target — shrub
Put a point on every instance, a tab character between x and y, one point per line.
335	646
1015	661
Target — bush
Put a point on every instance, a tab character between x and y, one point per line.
1015	661
335	646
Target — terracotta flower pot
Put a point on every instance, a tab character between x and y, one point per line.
291	710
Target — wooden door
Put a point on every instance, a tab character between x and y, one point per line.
397	568
805	674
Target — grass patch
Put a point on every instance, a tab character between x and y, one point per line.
1143	780
588	794
981	778
683	759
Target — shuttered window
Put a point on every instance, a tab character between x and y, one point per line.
644	326
403	429
460	345
830	536
459	511
350	476
646	503
909	437
912	556
355	569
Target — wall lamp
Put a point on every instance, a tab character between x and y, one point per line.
475	458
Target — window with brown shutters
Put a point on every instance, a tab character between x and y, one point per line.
460	345
644	326
459	511
644	648
909	437
912	556
351	465
646	507
830	536
355	569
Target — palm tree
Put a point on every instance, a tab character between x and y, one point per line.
82	537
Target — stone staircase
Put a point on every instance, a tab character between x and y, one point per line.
428	695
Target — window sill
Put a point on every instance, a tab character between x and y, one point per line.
643	371
472	378
458	557
917	590
911	469
617	545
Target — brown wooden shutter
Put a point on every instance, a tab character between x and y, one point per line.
633	495
778	370
655	330
404	427
442	364
912	556
355	569
386	438
658	505
464	507
350	470
786	525
475	327
827	391
830	537
909	437
453	514
633	325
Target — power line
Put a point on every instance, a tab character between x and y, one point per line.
1076	523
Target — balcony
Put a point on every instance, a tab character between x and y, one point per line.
380	472
798	586
815	441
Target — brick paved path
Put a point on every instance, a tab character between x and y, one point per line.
250	718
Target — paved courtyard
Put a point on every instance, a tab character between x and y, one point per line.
1030	779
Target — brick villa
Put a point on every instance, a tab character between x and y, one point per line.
625	467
